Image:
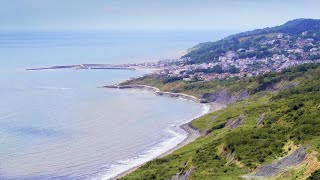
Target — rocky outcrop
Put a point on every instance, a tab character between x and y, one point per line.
297	157
289	85
224	97
293	159
234	123
281	86
184	175
259	121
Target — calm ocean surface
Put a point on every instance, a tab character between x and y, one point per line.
57	124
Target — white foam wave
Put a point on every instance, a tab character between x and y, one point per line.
155	151
178	135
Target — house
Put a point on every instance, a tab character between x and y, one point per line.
314	50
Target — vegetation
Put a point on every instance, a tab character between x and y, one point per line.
216	69
248	44
291	114
253	85
315	175
293	27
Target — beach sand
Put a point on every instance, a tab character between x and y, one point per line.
193	134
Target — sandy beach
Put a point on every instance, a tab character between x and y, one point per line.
192	133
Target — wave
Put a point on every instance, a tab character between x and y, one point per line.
178	136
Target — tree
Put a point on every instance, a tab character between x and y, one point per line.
233	70
217	69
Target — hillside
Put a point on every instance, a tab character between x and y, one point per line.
269	129
293	27
261	43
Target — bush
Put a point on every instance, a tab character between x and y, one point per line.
315	175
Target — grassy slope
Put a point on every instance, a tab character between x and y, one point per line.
269	35
195	88
292	116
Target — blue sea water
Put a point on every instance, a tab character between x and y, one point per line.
57	124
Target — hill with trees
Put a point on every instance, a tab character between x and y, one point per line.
293	27
271	132
260	43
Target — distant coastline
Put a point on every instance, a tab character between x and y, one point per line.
84	66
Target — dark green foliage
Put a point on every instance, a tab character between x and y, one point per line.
311	80
170	79
205	159
292	114
307	48
217	69
211	164
210	51
207	52
233	70
268	80
216	127
256	145
314	57
315	175
293	27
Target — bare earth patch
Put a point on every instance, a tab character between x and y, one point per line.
234	123
297	157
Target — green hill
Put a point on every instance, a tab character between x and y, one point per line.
273	132
211	51
293	27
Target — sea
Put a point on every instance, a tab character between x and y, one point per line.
59	124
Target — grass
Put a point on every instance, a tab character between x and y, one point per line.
270	35
291	118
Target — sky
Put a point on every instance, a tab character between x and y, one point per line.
99	15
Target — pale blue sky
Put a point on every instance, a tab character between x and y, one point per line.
21	15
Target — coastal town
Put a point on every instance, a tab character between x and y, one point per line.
280	51
160	90
259	55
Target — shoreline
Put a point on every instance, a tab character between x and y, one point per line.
192	133
157	91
